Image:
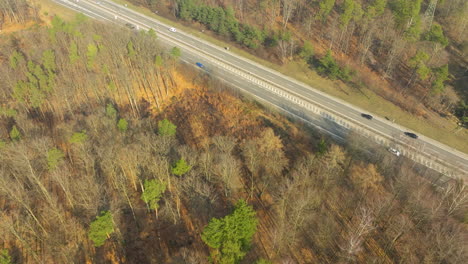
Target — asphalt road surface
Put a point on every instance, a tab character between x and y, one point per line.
255	77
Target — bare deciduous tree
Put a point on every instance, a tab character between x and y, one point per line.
357	233
228	169
455	196
289	7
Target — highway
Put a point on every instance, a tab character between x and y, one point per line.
321	110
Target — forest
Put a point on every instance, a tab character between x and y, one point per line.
113	151
412	53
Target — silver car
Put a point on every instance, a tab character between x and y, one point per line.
394	152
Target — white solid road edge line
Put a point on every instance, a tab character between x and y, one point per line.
170	38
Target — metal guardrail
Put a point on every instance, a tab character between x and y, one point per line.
302	101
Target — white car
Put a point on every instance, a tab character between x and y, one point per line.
172	29
394	151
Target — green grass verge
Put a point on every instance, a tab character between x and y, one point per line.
48	8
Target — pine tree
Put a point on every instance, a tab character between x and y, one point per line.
405	12
326	7
15	59
91	55
328	66
231	236
175	52
348	9
417	63
152	33
54	156
78	137
153	191
15	135
166	128
130	49
48	61
122	125
263	261
307	51
376	8
5	257
73	56
2	144
158	61
181	167
436	34
101	228
110	111
441	75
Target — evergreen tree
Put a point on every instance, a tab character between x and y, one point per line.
307	51
462	112
436	34
419	58
263	261
58	25
166	128
441	75
231	236
15	135
376	8
7	112
158	61
15	59
5	257
111	86
328	66
152	33
101	228
413	32
130	49
181	167
153	191
322	147
48	61
405	11
347	9
111	112
78	137
122	125
91	55
423	71
73	56
325	7
54	156
175	52
417	63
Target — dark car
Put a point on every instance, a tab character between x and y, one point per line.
200	65
411	135
131	26
367	116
